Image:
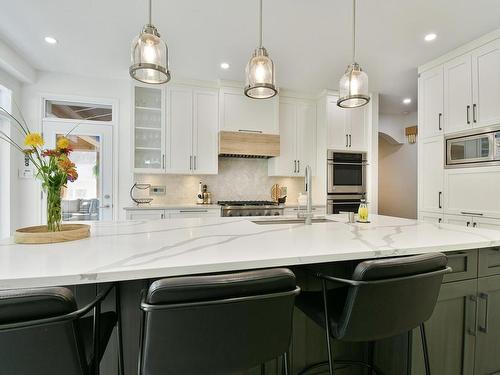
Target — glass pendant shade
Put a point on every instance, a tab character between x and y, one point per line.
149	54
260	78
353	88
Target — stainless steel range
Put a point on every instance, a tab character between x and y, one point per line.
250	208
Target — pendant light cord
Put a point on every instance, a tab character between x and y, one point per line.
354	31
260	24
150	12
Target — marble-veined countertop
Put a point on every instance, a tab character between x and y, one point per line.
130	250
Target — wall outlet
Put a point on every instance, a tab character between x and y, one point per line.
157	190
25	173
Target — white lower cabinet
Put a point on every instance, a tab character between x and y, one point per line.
430	217
472	191
473	221
430	174
145	214
172	214
193	213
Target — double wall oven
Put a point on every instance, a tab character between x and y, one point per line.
346	181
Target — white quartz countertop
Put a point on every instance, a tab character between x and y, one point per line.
146	249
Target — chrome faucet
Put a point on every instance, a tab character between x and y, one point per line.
308	214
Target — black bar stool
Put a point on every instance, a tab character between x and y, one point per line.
384	298
42	332
217	324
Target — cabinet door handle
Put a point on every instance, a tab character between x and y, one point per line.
470	312
471	213
346	140
190	162
439	121
163	161
474	225
298	166
440	220
162	216
295	166
468	223
350	140
484	326
474	110
439	199
194	162
468	116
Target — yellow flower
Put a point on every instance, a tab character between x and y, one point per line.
62	143
33	140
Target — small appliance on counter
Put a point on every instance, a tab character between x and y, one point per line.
203	196
141	200
278	194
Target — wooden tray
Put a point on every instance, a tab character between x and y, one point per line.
40	235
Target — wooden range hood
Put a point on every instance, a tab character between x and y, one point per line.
248	145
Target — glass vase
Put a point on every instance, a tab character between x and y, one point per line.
54	216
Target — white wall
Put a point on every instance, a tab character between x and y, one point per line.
397	183
11	159
78	86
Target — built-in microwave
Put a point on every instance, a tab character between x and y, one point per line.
473	149
346	173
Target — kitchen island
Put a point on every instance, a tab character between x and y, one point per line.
134	252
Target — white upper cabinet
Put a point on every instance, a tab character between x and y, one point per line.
458	94
205	131
346	128
239	113
192	130
430	174
486	84
180	137
297	120
357	128
148	130
306	137
430	102
337	129
179	129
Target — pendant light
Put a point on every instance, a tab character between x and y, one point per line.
149	56
260	78
353	88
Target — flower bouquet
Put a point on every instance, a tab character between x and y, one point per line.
53	166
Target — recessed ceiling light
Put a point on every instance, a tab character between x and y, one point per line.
407	101
224	65
430	37
50	40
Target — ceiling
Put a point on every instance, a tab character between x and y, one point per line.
309	40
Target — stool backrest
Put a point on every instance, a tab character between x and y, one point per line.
216	324
42	349
391	296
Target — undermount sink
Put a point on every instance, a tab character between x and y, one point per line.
290	221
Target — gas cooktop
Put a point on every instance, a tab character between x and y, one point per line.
247	203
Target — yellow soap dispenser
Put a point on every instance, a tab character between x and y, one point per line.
363	211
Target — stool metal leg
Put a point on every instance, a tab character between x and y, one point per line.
121	370
286	370
425	349
327	327
263	369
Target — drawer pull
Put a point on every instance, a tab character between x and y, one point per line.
183	211
471	213
250	131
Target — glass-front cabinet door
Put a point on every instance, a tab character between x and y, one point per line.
149	129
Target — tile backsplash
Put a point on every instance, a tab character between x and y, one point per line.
238	179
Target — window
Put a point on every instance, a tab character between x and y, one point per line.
78	111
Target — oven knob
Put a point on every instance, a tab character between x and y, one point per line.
230	214
276	214
268	213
